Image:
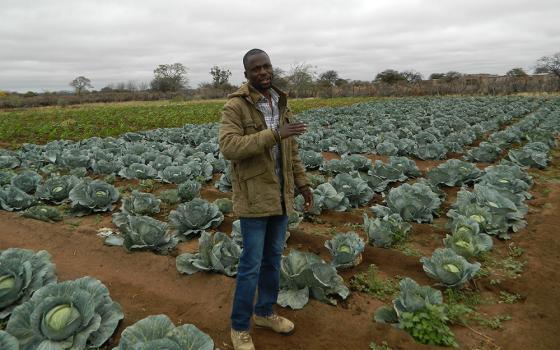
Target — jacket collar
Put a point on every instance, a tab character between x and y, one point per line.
252	95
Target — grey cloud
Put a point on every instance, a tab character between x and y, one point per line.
45	44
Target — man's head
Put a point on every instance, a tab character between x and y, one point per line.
258	69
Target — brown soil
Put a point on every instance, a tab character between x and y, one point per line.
147	284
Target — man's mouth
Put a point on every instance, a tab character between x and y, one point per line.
265	81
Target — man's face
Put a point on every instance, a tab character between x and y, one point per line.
259	71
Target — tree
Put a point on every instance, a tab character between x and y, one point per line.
219	76
329	77
412	77
550	64
389	76
81	84
452	75
279	78
516	72
301	78
169	77
437	76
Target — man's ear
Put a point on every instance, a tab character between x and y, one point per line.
245	74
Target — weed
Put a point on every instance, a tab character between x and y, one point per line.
97	219
147	185
515	251
429	326
508	298
74	224
494	323
407	249
469	298
369	282
383	346
512	268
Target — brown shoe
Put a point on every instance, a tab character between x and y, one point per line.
241	340
275	322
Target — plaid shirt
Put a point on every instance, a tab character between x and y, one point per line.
272	118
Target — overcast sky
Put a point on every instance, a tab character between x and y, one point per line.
44	44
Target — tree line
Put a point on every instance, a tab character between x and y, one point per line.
170	81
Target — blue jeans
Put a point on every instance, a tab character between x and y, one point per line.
259	267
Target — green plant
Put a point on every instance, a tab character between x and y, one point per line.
383	346
494	323
508	298
369	282
407	249
75	314
429	326
515	251
511	267
158	332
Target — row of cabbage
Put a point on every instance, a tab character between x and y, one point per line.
426	128
43	313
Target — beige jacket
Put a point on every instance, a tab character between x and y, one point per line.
245	140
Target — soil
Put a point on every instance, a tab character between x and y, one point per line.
146	284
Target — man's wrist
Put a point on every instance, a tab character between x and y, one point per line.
277	135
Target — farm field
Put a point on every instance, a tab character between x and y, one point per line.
485	170
44	124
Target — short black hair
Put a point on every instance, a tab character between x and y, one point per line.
250	53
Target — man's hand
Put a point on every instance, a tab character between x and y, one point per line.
291	129
308	198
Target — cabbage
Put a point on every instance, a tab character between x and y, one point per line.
75	314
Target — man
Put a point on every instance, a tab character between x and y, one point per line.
257	134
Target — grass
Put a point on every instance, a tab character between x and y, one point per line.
43	124
382	346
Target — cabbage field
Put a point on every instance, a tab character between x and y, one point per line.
434	224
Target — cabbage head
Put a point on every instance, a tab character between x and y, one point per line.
217	252
12	198
337	166
8	341
143	233
406	165
412	297
487	222
57	189
22	272
189	190
170	196
225	205
454	172
415	202
449	268
304	275
311	160
327	197
346	249
193	217
387	172
386	230
158	332
355	189
485	152
27	181
175	174
43	213
138	171
466	239
140	203
93	195
75	314
6	177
